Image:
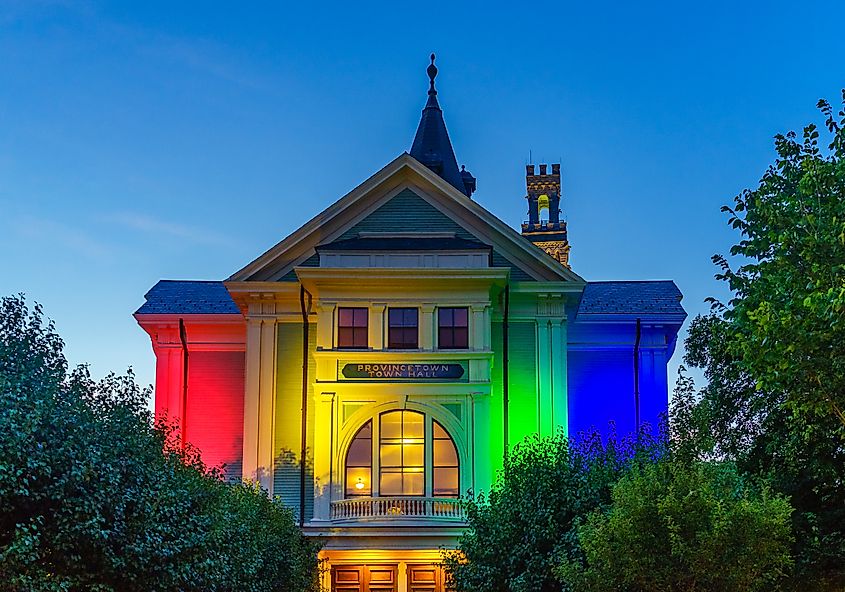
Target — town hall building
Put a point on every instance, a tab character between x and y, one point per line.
375	366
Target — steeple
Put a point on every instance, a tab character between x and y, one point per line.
432	146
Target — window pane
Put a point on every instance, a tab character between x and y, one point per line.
391	455
439	432
359	317
391	425
355	477
444	316
413	427
394	317
359	337
344	337
360	453
460	317
444	338
414	484
460	337
344	317
445	454
446	482
390	484
413	455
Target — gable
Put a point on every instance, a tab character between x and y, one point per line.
406	197
407	212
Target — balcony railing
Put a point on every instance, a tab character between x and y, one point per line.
386	508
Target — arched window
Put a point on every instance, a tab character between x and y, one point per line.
445	479
414	456
402	453
359	463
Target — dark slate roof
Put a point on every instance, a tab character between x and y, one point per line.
404	244
188	297
432	146
645	298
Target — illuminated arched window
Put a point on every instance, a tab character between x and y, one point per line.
359	463
446	479
414	456
401	453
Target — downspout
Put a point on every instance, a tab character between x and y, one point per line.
183	338
304	408
505	401
637	379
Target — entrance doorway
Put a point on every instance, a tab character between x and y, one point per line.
427	577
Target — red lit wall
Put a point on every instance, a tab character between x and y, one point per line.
215	408
210	415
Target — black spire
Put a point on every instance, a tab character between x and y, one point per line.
432	146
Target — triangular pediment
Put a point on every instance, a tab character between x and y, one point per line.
405	196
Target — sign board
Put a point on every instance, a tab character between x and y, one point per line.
432	371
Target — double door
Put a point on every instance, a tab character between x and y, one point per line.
385	578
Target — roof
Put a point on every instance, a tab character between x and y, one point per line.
631	298
405	244
432	146
188	297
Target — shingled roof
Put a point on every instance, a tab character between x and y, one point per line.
188	297
605	300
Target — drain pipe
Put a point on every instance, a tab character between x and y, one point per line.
637	378
304	407
183	338
505	401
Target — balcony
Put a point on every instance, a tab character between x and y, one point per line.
398	508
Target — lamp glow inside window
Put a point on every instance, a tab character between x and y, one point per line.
409	455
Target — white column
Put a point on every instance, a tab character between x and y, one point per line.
325	325
427	327
477	327
560	411
324	438
259	394
376	325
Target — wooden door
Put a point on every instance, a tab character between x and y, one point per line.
364	578
426	578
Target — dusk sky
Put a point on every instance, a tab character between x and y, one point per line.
150	140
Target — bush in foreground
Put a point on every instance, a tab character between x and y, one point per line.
94	497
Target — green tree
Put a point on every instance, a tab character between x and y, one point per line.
801	458
774	354
679	526
786	320
93	496
518	532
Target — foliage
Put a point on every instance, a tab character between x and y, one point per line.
774	355
683	526
802	459
786	320
529	520
93	497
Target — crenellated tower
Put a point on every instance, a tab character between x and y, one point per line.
543	196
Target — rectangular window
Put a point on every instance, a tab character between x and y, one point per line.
403	328
452	328
351	328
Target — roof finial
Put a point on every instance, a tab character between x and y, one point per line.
432	73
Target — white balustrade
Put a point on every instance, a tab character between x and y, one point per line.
439	508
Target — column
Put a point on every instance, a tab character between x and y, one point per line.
259	395
544	370
375	322
560	411
324	442
482	461
427	326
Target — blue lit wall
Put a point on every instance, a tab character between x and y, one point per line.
601	375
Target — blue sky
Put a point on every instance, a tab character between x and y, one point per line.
151	140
